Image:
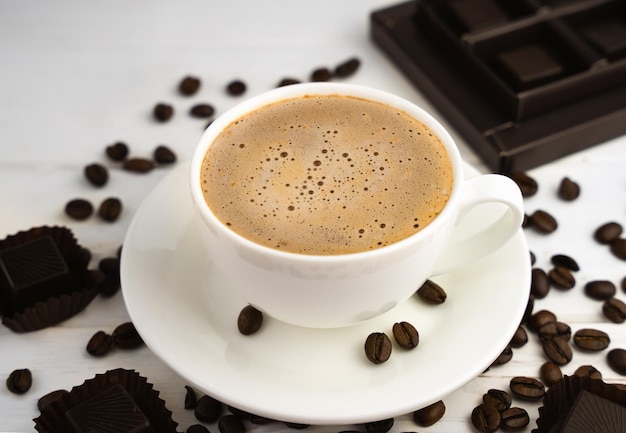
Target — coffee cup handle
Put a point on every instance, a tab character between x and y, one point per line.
482	189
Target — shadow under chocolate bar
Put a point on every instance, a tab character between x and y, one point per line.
523	81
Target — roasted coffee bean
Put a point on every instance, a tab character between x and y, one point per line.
231	424
20	381
163	112
347	68
616	359
378	347
540	318
533	258
520	338
250	320
97	174
241	414
208	409
618	248
543	222
588	370
527	388
430	414
562	278
528	312
565	261
526	184
197	428
382	426
526	221
557	350
236	88
110	209
138	165
100	344
190	398
432	293
126	336
117	151
505	356
554	329
189	85
202	111
614	310
164	155
568	189
44	402
514	418
486	418
608	232
287	82
600	290
107	285
550	373
539	283
110	266
497	398
297	425
405	335
260	420
593	340
321	74
79	209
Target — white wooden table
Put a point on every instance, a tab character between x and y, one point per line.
78	76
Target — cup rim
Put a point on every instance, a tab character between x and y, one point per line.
323	88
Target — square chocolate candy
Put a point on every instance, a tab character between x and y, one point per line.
594	414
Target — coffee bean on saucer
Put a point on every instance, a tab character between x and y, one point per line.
514	418
618	248
406	335
486	418
189	85
614	310
99	344
231	424
568	189
498	398
600	290
202	111
97	174
125	336
557	350
527	388
110	209
138	165
561	277
321	74
543	222
163	112
347	68
378	347
190	398
608	232
164	155
431	293
250	320
539	283
208	409
588	370
565	261
593	340
550	373
520	338
19	381
79	209
117	151
382	426
236	88
616	359
527	185
430	414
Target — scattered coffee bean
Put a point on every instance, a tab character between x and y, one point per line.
543	222
614	310
565	261
321	74
208	409
163	112
540	318
190	398
486	418
526	221
550	373
533	258
125	336
616	359
588	370
189	86
561	277
592	340
100	344
618	248
505	356
138	165
430	414
528	312
568	189
520	338
382	426
287	82
250	320
231	424
554	329
527	388
202	111
110	209
236	88
514	418
378	347
110	266
19	381
600	290
557	350
608	232
97	174
431	293
296	425
197	428
539	283
497	398
164	155
347	68
106	285
117	151
44	402
405	335
526	184
79	209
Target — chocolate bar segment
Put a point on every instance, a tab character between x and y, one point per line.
530	66
475	14
592	413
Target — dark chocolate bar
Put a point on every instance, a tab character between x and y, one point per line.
524	82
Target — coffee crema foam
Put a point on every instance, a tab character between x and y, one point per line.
326	174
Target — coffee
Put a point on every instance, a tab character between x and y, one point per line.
326	174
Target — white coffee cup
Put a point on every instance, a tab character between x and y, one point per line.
325	291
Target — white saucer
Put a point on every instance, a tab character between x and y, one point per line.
187	316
